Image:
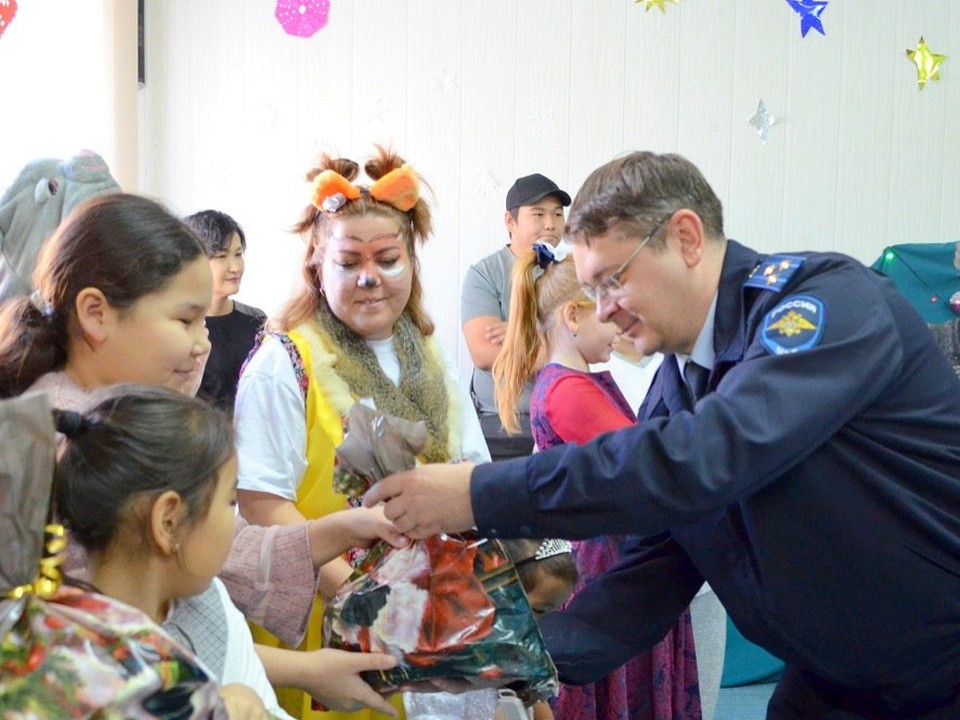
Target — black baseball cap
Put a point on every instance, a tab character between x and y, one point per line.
531	188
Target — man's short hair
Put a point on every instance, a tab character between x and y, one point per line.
641	188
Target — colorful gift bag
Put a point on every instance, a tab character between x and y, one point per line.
449	608
81	655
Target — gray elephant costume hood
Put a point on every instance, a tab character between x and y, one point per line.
44	193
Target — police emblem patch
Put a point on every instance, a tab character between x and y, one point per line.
794	325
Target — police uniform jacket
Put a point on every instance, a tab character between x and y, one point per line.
814	486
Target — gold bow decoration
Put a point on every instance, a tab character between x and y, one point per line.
399	188
49	577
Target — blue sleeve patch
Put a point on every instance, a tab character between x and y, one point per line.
774	272
795	325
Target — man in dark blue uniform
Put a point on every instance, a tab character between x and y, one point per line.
799	450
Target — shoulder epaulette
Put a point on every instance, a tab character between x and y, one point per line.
773	272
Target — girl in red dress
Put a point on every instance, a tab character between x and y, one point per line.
553	324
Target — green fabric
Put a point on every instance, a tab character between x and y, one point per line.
745	663
925	274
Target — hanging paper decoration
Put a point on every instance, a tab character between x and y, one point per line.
8	8
655	3
928	63
809	12
302	17
762	121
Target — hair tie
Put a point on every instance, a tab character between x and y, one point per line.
544	255
71	423
43	306
547	253
399	188
548	548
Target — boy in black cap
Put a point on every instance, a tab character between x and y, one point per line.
534	213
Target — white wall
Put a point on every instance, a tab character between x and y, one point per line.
477	93
53	84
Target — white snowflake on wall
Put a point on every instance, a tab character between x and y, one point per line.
446	81
267	117
216	174
377	110
542	122
485	182
319	146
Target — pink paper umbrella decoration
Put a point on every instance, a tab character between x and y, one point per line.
8	8
302	17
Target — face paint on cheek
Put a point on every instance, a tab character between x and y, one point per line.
394	272
349	274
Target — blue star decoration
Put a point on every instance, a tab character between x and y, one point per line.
809	12
762	121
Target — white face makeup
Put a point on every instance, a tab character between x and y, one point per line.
396	271
363	279
367	274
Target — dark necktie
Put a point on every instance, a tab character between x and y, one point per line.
695	376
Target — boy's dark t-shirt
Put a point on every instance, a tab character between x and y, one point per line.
231	339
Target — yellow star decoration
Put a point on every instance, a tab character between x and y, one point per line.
793	323
928	63
655	3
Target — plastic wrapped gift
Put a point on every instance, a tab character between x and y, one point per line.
373	447
83	655
450	609
66	654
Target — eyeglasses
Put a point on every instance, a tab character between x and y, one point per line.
611	284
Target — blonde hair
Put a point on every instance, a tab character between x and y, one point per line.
314	226
536	308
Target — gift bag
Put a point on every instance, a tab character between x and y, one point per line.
80	655
67	654
448	608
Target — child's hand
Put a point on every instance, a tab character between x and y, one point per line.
242	703
334	534
332	678
366	525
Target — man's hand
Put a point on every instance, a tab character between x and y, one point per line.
484	336
495	332
427	500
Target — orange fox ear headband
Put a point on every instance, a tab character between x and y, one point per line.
399	188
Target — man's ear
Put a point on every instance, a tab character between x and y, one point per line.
689	228
509	222
166	517
95	315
